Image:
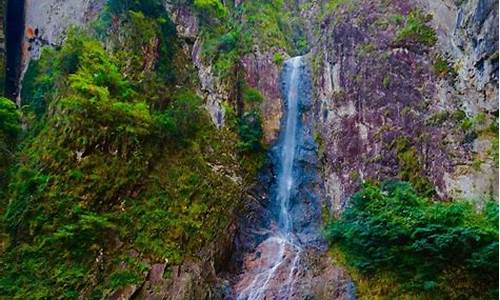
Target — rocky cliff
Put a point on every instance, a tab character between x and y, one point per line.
396	104
3	50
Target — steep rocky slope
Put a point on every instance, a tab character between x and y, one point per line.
402	106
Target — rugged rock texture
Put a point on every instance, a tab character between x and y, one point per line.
468	33
263	74
214	89
47	21
377	100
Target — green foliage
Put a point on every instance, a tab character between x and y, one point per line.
333	4
387	81
210	8
439	118
182	118
267	23
366	49
150	8
10	125
251	96
46	75
120	278
278	59
416	29
250	131
441	66
107	161
10	128
428	246
410	166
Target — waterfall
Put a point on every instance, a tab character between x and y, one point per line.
285	181
279	255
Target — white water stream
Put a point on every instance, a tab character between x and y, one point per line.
281	252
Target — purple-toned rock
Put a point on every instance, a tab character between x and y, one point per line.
263	74
373	93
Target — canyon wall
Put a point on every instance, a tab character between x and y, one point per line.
385	111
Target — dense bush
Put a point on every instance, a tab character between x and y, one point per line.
182	117
210	9
10	127
101	165
416	29
250	131
445	249
151	8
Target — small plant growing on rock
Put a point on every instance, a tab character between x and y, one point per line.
442	67
416	30
278	59
387	81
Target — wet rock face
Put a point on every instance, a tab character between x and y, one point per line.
276	263
373	95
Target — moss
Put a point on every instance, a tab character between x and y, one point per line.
320	143
380	286
493	152
387	81
458	115
439	118
410	166
331	5
366	49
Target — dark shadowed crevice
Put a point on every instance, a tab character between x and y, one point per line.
14	38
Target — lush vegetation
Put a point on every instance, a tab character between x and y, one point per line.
10	128
119	165
424	248
416	30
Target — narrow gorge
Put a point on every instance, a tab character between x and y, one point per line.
289	236
249	150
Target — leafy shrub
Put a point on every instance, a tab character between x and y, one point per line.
10	128
182	118
429	246
267	23
416	29
441	66
252	96
210	9
10	124
250	132
278	59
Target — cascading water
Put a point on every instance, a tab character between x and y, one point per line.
273	272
